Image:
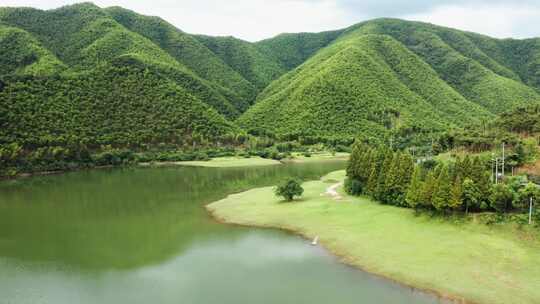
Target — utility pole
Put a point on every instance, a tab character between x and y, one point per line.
496	171
492	167
503	160
530	210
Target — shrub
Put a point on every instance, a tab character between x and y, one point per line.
289	189
353	186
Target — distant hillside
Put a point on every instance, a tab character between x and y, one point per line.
112	76
368	84
390	74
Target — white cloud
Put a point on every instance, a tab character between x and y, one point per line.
502	20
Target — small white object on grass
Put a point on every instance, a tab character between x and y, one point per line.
315	241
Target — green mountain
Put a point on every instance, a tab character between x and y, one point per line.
103	76
392	75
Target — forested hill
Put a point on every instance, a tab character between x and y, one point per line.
109	76
389	75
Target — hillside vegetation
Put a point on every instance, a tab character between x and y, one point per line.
109	76
420	76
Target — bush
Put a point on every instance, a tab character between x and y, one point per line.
289	189
353	186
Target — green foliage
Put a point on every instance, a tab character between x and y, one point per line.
525	194
190	52
414	192
501	198
393	178
389	76
289	189
245	58
442	196
86	77
353	186
471	195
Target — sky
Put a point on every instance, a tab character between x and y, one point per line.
255	20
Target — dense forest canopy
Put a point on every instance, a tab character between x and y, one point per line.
86	77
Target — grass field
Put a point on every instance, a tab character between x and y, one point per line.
462	260
222	162
300	158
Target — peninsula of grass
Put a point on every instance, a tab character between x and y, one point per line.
226	162
236	161
302	158
464	260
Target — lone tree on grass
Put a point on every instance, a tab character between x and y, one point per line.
289	189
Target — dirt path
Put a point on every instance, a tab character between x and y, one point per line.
332	191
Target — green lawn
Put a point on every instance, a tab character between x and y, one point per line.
300	158
222	162
484	264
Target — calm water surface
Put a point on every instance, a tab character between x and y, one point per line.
141	235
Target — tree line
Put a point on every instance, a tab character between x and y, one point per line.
466	185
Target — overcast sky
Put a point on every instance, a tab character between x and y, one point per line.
258	19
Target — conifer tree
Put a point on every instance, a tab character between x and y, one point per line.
428	188
457	195
414	191
482	180
392	183
406	170
471	194
380	191
371	188
465	168
353	161
443	192
501	198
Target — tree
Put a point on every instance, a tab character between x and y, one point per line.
501	198
406	171
428	189
372	182
392	183
530	191
443	192
289	189
471	194
457	195
414	191
380	192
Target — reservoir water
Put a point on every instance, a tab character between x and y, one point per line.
142	235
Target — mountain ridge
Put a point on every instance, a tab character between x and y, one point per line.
372	79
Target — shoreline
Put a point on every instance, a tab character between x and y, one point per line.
256	218
218	162
343	258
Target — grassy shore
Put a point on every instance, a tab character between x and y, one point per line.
465	260
225	162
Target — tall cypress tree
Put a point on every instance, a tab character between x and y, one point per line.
414	191
406	171
482	179
466	168
457	195
353	161
471	195
392	183
380	191
428	189
443	193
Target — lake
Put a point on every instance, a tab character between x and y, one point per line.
142	235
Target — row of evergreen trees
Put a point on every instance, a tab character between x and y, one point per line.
395	178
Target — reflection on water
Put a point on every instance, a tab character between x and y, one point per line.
142	236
